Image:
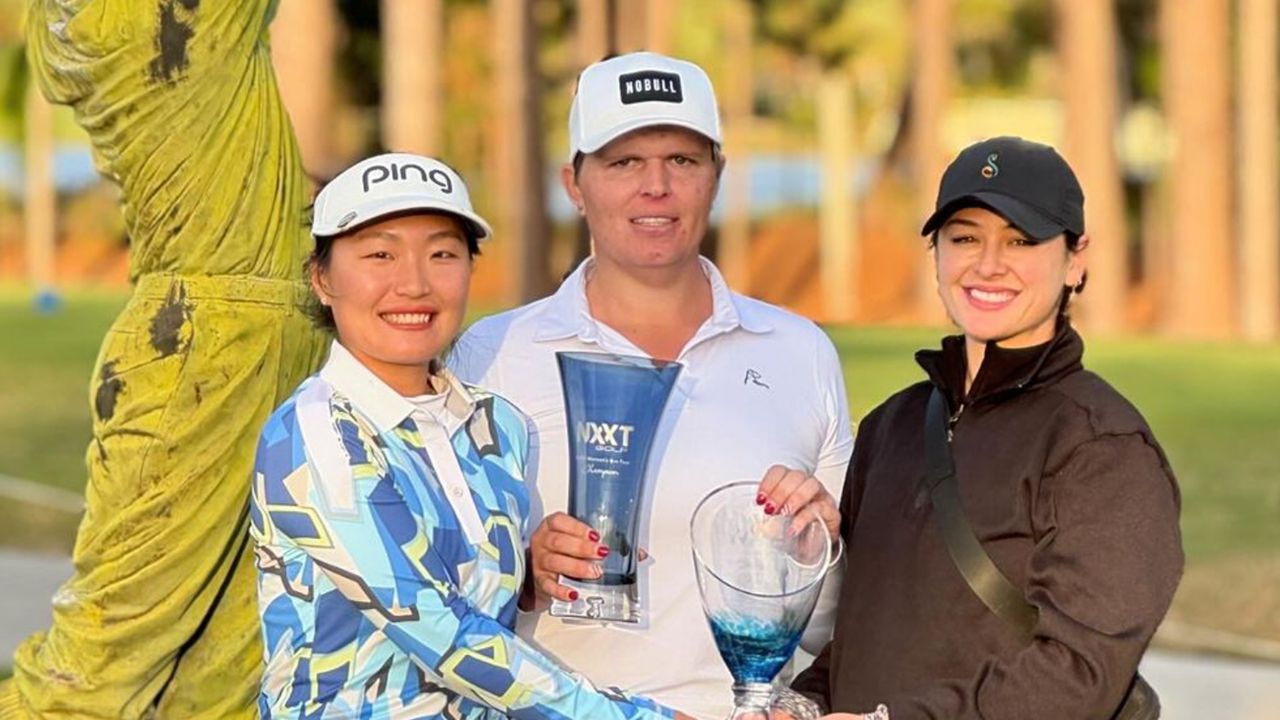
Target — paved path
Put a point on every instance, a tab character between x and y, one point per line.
1195	687
1191	687
30	580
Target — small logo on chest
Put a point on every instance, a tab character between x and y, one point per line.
754	377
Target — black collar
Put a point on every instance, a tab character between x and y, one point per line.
1004	370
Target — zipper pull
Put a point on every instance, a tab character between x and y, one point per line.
951	422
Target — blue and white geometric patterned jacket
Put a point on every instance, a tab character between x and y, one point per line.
388	543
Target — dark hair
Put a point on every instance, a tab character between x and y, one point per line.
1073	244
321	314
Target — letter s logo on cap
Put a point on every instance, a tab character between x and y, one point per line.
990	169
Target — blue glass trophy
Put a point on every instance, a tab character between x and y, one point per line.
612	406
759	576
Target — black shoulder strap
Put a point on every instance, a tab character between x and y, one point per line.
984	578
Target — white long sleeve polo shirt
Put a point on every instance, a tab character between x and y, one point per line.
760	386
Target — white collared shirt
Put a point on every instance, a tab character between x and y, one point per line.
364	576
760	386
386	408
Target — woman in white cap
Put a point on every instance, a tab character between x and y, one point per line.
388	499
1011	522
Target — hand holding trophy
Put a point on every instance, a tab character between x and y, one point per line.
612	405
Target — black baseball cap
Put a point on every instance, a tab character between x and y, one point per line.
1027	183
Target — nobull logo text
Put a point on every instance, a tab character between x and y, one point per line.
650	86
375	174
614	435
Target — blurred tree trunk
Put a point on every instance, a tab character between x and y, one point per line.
934	61
631	25
838	211
596	21
733	252
660	25
803	28
1197	94
1259	260
1087	48
520	182
594	31
626	26
412	58
304	40
40	201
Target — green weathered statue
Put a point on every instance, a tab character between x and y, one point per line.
180	101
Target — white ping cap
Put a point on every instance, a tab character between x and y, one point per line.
639	90
389	184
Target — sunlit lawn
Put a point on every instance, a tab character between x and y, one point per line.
45	362
1216	409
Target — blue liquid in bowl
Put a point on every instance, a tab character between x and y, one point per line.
754	651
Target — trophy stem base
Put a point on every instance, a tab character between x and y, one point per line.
751	701
605	603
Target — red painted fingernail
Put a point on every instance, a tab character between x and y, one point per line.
593	536
769	509
760	499
573	595
602	551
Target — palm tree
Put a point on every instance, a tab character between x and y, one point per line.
594	31
521	164
838	209
813	30
631	25
304	40
934	64
1259	259
1197	88
1087	43
734	247
412	96
660	24
40	206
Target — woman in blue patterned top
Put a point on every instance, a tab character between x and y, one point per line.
388	498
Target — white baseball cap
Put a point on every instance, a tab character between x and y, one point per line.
389	184
639	90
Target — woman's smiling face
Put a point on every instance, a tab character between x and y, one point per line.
398	290
997	283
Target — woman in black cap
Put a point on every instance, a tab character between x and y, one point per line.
1011	522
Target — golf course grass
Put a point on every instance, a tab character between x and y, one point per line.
1215	408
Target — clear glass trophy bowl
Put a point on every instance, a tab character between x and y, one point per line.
612	406
759	576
